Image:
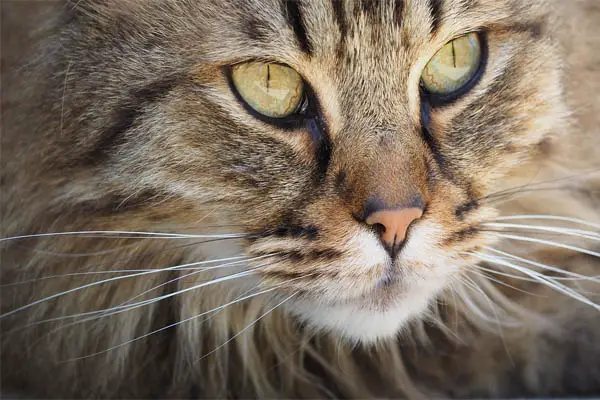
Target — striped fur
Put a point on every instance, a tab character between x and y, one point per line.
118	116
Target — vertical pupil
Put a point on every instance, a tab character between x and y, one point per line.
268	76
453	54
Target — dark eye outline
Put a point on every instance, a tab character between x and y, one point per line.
440	100
307	107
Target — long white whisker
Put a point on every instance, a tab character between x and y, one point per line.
506	274
544	266
572	232
164	235
493	308
177	323
128	307
471	304
190	274
523	278
540	277
548	217
247	327
507	304
122	271
105	281
499	282
549	243
83	274
100	317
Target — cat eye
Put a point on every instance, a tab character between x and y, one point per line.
273	90
454	67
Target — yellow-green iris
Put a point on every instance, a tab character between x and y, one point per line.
273	90
453	66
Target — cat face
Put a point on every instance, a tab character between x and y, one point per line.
369	150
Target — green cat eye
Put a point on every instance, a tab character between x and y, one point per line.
273	90
453	66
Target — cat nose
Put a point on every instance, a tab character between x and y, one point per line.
393	225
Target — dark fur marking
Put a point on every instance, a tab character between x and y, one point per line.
433	145
343	187
465	208
370	7
432	177
320	138
340	17
311	232
294	17
310	255
398	12
285	275
295	231
461	235
127	114
435	7
535	29
255	30
340	179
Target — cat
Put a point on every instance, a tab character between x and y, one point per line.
270	198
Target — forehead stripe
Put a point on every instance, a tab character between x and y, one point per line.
339	13
293	15
437	13
398	11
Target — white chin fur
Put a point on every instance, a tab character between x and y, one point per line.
363	320
359	323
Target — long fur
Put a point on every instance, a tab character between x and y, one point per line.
117	116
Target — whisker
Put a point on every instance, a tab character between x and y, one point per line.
564	231
531	233
72	274
186	276
493	308
499	282
247	327
507	304
473	307
124	307
521	278
176	324
548	217
62	327
141	235
546	267
102	282
549	243
84	274
145	254
540	277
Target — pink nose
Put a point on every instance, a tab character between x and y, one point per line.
395	223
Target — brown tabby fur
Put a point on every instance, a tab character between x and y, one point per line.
117	116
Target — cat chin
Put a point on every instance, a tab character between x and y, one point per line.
365	321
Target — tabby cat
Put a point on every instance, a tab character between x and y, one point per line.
312	198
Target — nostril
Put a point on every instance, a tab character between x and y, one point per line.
378	228
392	224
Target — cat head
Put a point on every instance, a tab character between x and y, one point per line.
353	143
